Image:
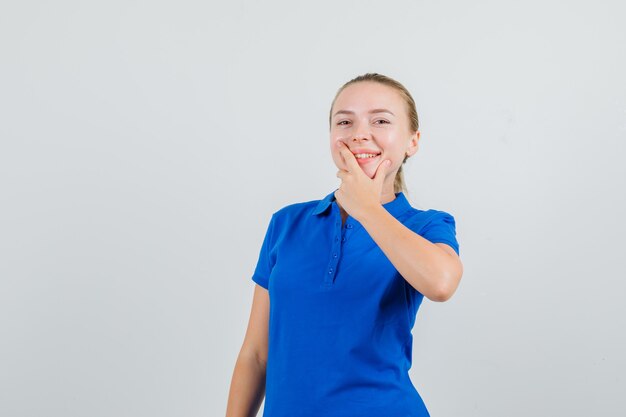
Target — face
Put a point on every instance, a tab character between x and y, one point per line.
370	117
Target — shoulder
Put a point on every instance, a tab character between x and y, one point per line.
295	212
437	226
418	219
292	220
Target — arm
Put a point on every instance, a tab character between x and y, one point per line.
434	269
247	387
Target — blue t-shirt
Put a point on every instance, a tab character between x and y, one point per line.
341	315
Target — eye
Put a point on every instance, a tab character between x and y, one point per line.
382	120
341	122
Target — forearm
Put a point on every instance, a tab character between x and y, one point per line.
247	387
428	268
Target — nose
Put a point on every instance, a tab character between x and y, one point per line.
358	136
360	131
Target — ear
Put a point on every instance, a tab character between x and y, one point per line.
413	144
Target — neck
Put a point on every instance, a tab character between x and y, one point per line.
387	196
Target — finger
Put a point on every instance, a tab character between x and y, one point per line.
349	158
381	171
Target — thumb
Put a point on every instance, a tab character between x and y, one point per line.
382	170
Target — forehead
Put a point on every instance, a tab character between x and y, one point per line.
365	95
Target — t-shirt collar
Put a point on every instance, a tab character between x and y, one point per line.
395	207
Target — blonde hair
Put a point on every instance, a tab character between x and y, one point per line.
398	183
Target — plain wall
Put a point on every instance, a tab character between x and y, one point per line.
144	146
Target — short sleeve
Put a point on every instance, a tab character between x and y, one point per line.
441	228
265	263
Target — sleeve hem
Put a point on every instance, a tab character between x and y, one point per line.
263	282
447	242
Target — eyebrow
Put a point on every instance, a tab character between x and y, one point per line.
370	112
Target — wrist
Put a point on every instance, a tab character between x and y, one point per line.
372	215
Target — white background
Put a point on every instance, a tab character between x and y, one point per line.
145	144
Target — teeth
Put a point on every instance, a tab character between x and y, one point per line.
365	155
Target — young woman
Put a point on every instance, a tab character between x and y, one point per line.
339	280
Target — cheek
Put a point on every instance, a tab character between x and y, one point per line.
336	157
334	151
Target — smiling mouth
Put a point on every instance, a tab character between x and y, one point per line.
367	159
366	155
